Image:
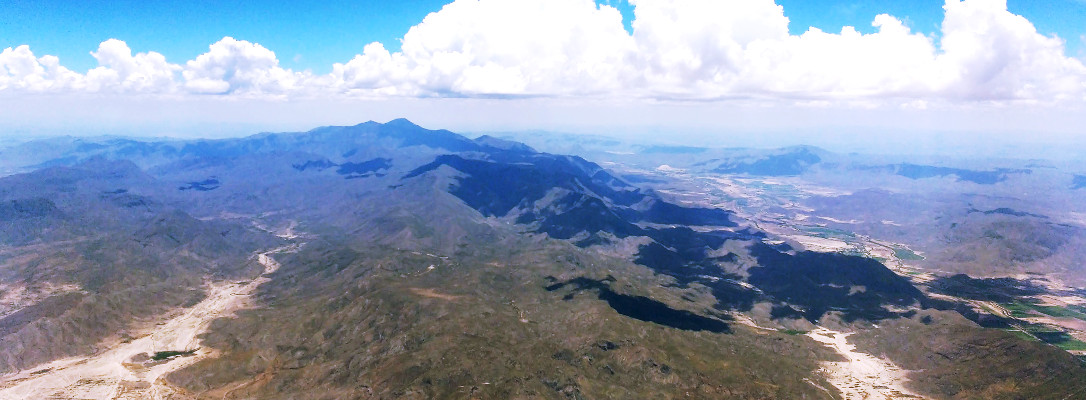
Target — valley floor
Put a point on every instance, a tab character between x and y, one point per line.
126	370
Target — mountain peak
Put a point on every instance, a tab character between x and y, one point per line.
402	123
503	144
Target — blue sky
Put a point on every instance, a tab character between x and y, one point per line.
320	32
199	67
314	35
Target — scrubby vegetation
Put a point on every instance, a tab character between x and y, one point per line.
486	317
126	258
906	254
951	359
163	355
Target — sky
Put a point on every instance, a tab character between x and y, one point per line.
703	69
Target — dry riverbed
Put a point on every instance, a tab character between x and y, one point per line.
862	376
126	369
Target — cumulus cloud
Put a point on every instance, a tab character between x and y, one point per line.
20	70
679	49
119	70
234	66
892	62
990	53
712	49
699	47
501	47
375	71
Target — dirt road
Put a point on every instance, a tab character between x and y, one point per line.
119	372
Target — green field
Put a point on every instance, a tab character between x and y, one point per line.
1019	310
1072	345
1052	336
1025	310
1059	312
828	232
906	254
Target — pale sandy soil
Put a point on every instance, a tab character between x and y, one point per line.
748	321
820	244
426	292
862	376
17	296
851	221
111	374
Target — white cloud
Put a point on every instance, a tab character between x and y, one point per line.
501	47
709	49
697	48
991	54
119	70
234	66
20	70
680	49
375	71
890	62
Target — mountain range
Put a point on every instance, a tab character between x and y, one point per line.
417	263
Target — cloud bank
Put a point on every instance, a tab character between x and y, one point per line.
679	50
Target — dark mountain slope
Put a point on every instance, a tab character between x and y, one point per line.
540	186
787	162
568	198
101	258
857	287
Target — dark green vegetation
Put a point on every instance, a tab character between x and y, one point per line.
1019	310
164	355
906	254
1023	309
1015	297
1053	336
445	267
828	232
